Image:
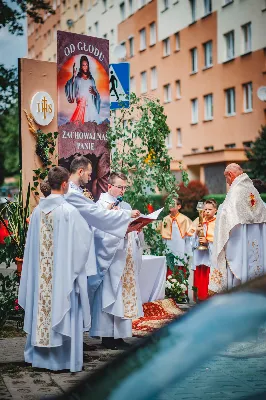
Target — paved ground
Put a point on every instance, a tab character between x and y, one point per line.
229	377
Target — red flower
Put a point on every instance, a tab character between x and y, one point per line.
16	301
150	208
17	308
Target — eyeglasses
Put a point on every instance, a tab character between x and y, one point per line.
121	187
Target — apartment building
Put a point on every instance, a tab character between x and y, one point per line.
204	59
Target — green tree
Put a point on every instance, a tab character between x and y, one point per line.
13	13
138	144
9	143
257	156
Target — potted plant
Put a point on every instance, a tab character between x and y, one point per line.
14	216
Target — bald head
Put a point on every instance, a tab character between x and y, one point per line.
231	172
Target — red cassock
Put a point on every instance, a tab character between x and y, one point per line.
201	281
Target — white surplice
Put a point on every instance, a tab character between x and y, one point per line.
53	286
117	299
179	246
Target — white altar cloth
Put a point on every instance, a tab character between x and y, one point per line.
152	278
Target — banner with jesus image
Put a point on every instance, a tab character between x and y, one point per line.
84	104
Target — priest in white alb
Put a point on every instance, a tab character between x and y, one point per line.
117	299
239	249
114	222
53	286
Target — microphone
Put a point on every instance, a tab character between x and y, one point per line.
119	199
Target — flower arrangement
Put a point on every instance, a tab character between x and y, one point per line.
174	289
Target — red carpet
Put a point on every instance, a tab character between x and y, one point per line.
156	315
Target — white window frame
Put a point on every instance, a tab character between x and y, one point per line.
247	37
167	93
153	34
193	10
230	102
208	58
166	47
154	78
143	82
131	46
177	41
208	107
194	60
178	89
229	45
122	9
168	140
165	5
194	111
143	42
132	84
179	138
207	7
130	7
247	97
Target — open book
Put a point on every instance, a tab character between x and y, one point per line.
143	220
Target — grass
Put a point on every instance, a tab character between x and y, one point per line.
10	331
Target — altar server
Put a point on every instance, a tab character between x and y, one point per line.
175	232
117	299
53	286
201	262
239	251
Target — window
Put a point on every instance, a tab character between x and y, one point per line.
131	47
141	3
177	41
81	6
165	4
54	32
89	29
228	2
96	27
166	47
152	33
230	45
54	4
179	137
169	140
143	83
246	31
230	102
54	57
142	39
112	37
194	111
178	89
123	44
105	36
208	107
247	94
76	11
208	54
194	60
207	7
122	11
49	37
132	84
193	10
167	93
64	5
104	5
195	150
230	146
247	144
130	6
209	148
154	83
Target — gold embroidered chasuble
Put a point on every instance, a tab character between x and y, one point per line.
129	290
44	313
